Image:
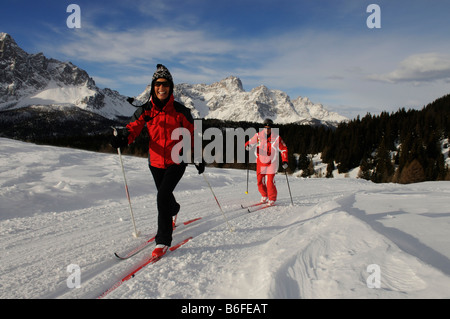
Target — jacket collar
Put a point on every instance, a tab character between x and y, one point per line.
168	105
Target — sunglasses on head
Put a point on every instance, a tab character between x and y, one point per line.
163	83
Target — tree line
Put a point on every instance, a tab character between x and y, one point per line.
401	147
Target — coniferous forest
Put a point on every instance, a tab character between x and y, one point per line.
401	147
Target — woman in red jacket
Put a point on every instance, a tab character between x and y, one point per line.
162	115
268	145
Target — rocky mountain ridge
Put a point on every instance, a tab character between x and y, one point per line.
33	79
227	100
35	82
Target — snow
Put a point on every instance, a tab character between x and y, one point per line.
62	207
54	94
76	95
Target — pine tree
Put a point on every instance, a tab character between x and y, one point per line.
330	169
365	168
383	168
412	173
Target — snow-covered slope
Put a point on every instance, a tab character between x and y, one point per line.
61	207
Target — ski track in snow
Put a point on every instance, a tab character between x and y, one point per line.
62	206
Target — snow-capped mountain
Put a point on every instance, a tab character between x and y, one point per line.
227	100
34	80
43	84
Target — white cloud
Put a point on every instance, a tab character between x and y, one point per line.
418	68
330	67
142	45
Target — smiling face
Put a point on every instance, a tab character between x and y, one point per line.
162	89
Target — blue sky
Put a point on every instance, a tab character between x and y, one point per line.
322	49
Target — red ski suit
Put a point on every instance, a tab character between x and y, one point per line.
267	160
165	165
160	127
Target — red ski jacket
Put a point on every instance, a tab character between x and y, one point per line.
267	148
160	125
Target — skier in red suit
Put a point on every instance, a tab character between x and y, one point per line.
268	144
161	116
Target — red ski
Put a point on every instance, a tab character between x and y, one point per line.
139	248
259	207
253	205
135	270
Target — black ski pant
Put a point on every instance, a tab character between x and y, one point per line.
166	179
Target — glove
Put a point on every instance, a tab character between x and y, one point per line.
284	165
130	100
247	148
200	167
119	141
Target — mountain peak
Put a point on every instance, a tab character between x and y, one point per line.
4	36
33	79
231	83
8	46
227	100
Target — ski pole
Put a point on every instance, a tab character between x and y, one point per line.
287	180
247	179
248	165
223	214
136	233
